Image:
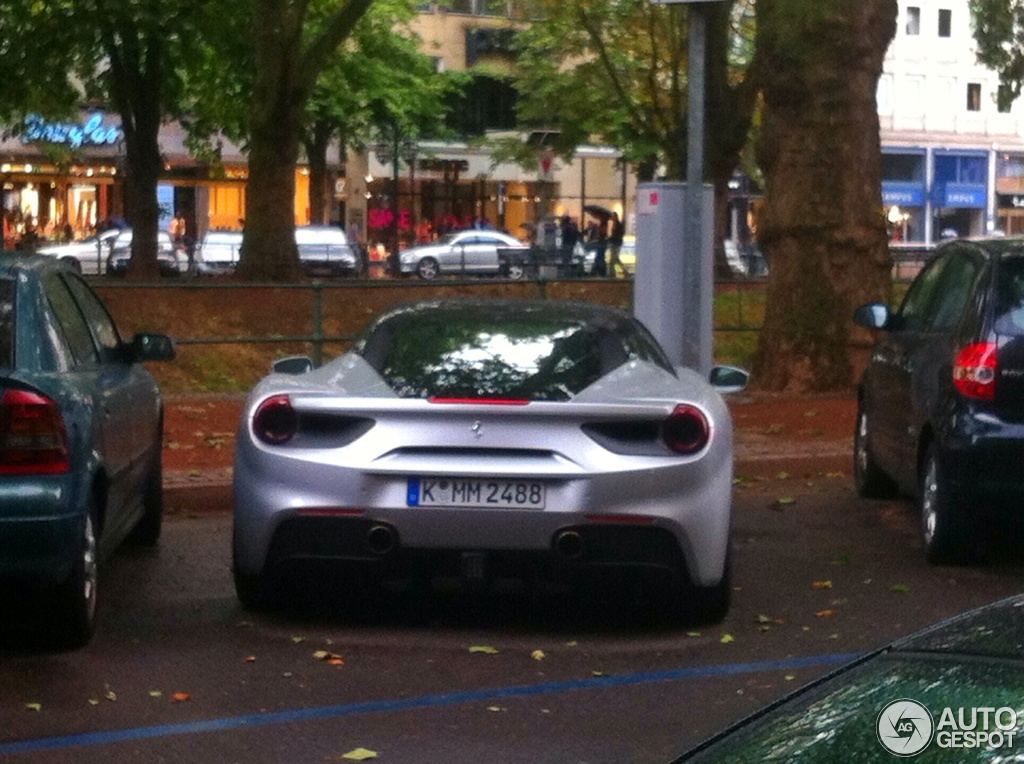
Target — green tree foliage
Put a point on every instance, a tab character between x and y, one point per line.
999	32
60	54
616	71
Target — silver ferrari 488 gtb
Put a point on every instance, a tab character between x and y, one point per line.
491	438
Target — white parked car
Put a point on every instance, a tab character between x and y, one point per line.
218	252
109	251
466	252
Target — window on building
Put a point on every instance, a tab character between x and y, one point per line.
486	103
973	96
945	22
913	20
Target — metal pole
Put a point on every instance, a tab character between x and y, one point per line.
694	355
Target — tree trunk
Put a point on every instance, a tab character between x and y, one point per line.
823	229
144	164
317	141
268	244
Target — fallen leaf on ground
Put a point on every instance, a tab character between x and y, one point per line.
495	709
34	706
180	697
899	588
360	754
821	585
485	649
538	655
825	613
727	638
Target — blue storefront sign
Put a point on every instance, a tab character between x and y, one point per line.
963	195
92	132
903	194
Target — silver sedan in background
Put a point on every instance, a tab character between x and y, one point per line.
471	252
488	439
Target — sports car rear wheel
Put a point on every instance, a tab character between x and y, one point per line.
709	604
74	607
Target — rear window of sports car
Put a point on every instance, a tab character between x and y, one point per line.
526	358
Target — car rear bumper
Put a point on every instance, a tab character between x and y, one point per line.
985	462
683	511
39	536
572	551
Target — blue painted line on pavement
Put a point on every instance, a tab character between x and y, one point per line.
424	701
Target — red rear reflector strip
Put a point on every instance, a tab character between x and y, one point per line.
326	512
621	519
482	401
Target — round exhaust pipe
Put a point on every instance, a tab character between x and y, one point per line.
380	539
569	544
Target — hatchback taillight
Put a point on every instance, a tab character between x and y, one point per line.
33	439
687	430
275	421
974	371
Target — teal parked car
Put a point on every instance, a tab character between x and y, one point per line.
80	441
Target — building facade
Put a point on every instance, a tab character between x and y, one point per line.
952	156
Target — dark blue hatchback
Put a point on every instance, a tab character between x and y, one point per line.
941	404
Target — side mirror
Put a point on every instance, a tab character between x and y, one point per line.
728	379
295	364
874	315
152	347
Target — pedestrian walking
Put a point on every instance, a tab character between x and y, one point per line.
616	232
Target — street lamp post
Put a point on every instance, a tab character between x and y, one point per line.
389	151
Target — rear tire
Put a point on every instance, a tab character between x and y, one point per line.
946	532
75	598
147	532
707	605
868	478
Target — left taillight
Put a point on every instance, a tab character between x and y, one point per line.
275	421
33	438
974	371
687	430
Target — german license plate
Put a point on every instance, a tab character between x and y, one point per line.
461	492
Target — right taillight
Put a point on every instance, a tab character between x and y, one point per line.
33	439
974	371
275	421
687	430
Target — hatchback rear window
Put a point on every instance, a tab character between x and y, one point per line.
473	356
6	323
1010	296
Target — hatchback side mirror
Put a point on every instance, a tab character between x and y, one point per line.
874	315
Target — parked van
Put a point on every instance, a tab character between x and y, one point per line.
323	251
